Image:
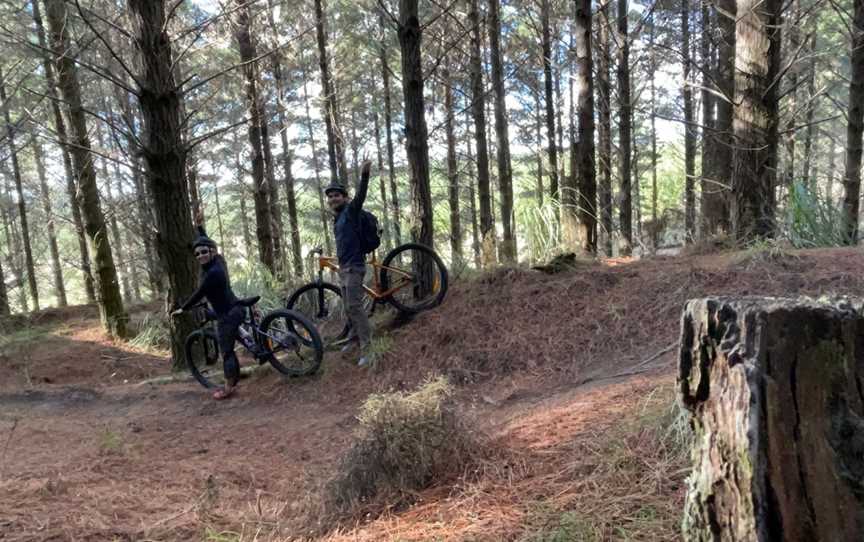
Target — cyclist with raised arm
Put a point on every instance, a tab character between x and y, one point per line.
215	285
351	253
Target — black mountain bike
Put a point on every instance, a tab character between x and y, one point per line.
275	340
411	278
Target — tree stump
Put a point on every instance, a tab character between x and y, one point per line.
775	388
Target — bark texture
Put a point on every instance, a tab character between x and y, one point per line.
854	128
112	314
774	391
165	162
757	63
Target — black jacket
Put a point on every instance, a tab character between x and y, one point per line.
215	285
349	249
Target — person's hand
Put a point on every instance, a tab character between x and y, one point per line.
176	313
367	165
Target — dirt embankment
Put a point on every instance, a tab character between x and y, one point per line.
85	456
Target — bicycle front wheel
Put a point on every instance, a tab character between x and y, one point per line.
202	357
414	278
321	303
293	342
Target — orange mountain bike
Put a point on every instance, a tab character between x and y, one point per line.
411	278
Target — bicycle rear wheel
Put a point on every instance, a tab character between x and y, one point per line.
202	357
416	276
322	304
293	342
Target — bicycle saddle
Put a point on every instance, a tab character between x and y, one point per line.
249	301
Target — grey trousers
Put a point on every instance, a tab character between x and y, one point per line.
353	296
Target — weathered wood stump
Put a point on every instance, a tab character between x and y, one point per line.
775	388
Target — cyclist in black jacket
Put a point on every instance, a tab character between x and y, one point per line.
352	260
215	285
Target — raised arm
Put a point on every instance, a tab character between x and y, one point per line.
363	188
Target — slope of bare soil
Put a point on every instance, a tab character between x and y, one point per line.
86	453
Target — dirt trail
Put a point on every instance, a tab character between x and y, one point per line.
84	456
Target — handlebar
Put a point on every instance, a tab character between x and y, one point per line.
316	250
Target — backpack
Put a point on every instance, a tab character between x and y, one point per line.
370	232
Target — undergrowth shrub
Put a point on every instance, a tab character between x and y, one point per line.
407	441
811	220
151	332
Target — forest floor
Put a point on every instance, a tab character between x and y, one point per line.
572	373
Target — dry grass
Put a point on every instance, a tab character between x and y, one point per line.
608	464
406	442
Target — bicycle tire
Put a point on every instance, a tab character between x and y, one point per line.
203	341
386	279
287	337
329	334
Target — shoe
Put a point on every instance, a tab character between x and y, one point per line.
366	359
349	346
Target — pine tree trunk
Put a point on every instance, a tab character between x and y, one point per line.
416	144
505	169
325	215
113	226
143	198
789	133
472	194
854	128
13	252
557	73
385	216
689	130
832	164
538	129
244	215
131	270
292	212
277	227
19	190
756	117
570	191
56	269
487	223
165	162
587	180
625	136
108	297
328	93
655	225
388	130
257	134
811	108
724	163
604	132
288	178
452	172
550	104
712	202
62	137
773	387
4	296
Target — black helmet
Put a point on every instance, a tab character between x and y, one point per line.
336	186
202	240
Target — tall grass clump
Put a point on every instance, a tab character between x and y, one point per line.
407	441
541	229
811	220
254	279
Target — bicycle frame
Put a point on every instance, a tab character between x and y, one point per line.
258	337
376	293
